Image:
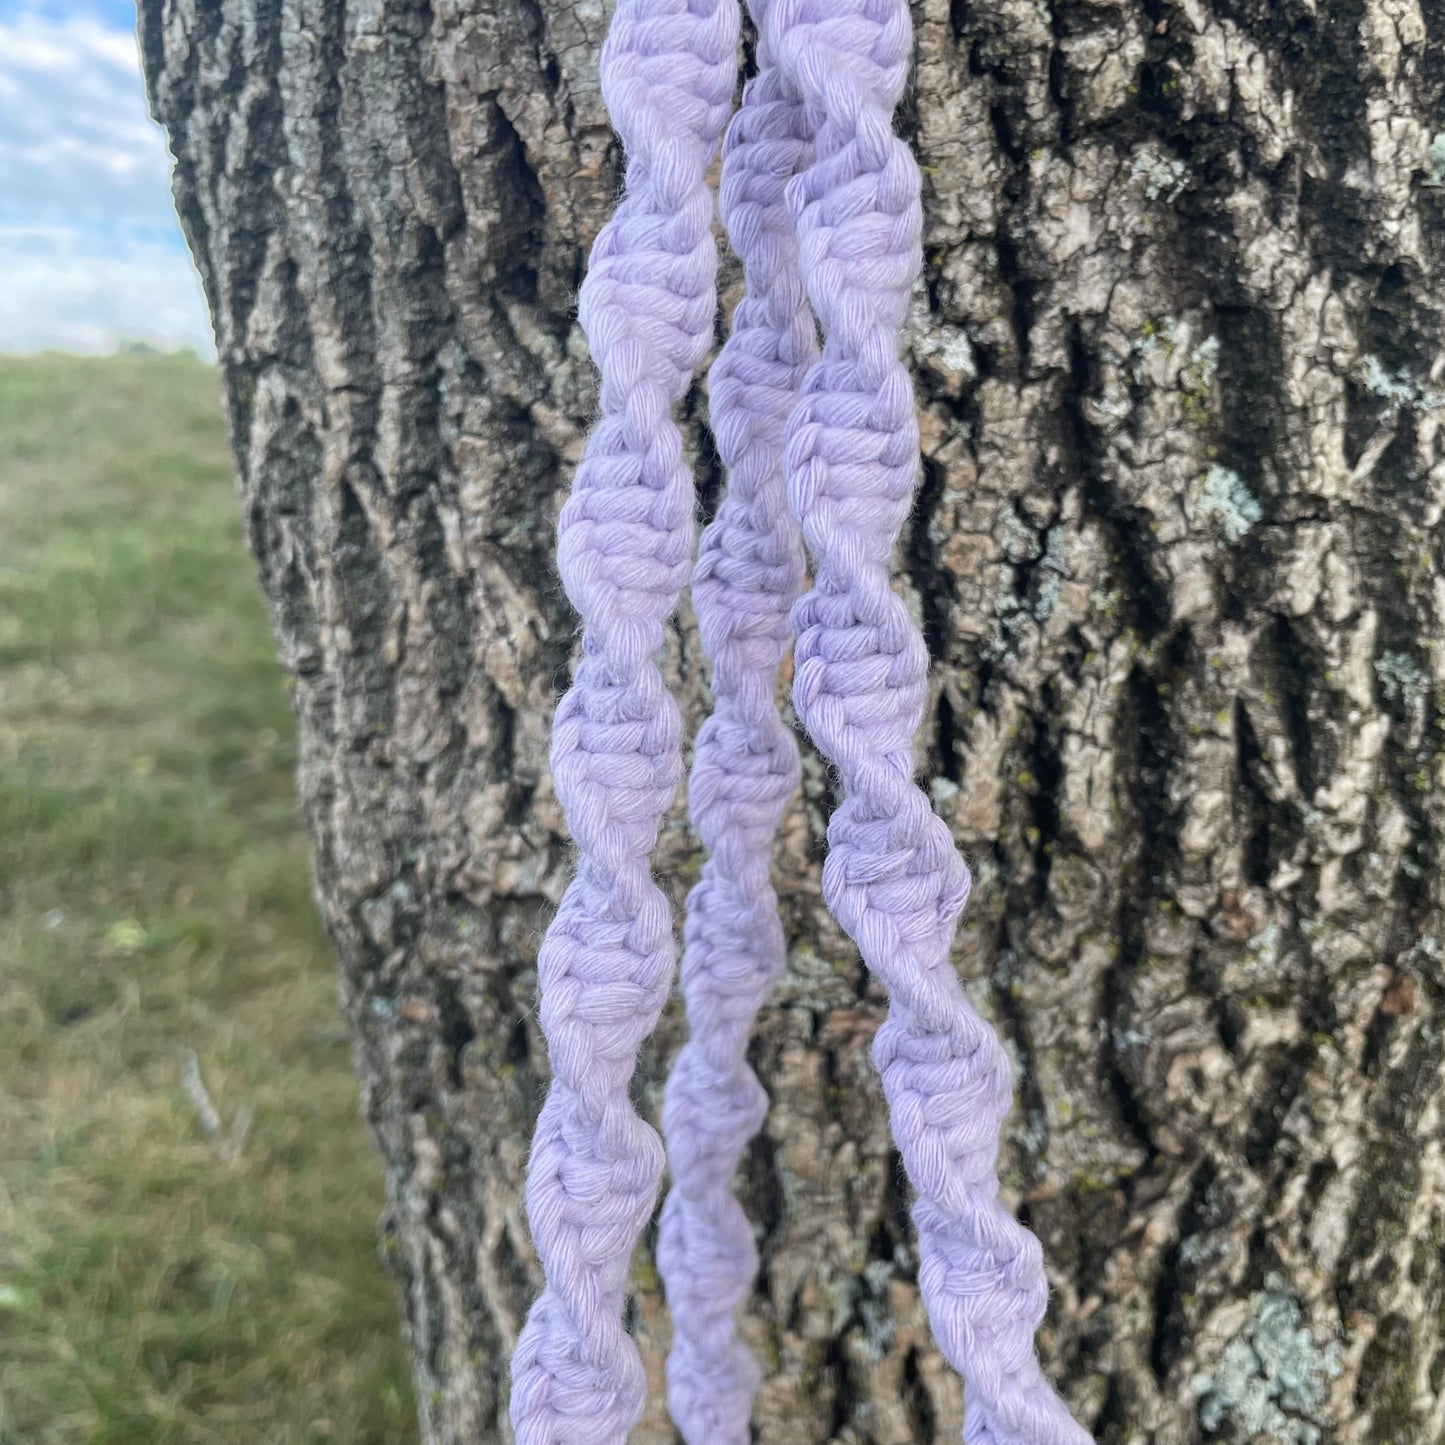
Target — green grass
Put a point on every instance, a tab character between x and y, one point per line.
154	899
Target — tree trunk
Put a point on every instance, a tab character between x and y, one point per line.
1177	554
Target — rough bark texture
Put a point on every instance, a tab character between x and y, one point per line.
1178	557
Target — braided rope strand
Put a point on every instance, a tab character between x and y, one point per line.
749	574
647	305
893	877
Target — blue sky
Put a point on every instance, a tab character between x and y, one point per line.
90	251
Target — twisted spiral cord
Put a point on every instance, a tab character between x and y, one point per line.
625	539
893	877
745	767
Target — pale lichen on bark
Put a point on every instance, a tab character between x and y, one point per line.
1177	556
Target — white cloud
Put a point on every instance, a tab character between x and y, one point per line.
75	138
61	293
89	245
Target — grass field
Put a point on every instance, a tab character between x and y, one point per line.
155	900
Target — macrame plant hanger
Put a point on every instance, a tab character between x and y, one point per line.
821	203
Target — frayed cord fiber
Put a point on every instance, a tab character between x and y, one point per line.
893	877
745	768
625	539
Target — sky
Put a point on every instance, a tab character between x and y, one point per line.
90	250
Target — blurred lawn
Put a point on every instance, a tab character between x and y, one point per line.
155	898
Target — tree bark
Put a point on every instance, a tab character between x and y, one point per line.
1177	554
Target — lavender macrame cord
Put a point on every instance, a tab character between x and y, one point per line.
745	768
893	877
822	204
648	306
